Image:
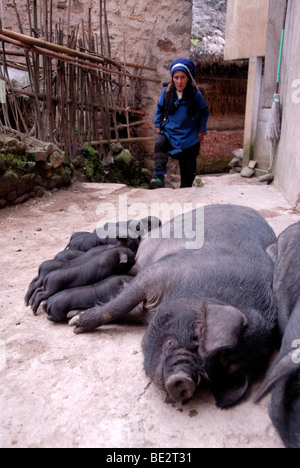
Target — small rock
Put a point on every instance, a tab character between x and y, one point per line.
49	148
37	155
11	196
55	160
21	199
146	173
247	172
8	183
238	153
235	162
117	148
252	164
266	178
198	182
26	184
123	160
14	146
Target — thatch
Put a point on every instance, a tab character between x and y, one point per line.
224	85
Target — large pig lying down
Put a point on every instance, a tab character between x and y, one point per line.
210	312
284	376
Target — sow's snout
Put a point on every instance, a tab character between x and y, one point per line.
182	374
180	387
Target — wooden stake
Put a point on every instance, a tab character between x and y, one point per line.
125	89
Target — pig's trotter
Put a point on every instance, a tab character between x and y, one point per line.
72	314
89	319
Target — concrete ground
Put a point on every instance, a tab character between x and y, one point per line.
58	389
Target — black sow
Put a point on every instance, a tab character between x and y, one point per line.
210	310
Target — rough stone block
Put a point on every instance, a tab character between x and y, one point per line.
14	146
55	160
123	160
247	172
117	148
26	184
37	155
8	183
252	164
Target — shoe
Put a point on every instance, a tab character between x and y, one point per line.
159	182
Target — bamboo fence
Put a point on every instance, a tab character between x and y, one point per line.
78	93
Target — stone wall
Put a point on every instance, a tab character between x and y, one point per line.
208	30
155	32
29	167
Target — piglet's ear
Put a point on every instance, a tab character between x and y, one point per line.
223	326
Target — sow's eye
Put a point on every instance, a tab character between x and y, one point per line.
163	320
169	343
194	338
194	343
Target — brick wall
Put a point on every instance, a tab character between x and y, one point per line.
216	150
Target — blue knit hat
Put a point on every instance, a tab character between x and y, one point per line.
185	65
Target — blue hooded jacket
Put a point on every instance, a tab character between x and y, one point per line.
182	128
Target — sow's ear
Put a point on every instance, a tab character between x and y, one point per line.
223	326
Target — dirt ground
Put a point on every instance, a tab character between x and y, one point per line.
58	389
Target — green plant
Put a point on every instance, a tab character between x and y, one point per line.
93	165
195	41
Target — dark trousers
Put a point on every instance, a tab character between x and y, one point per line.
187	160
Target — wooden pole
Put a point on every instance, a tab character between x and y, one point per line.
32	41
79	62
122	140
125	90
79	102
14	103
